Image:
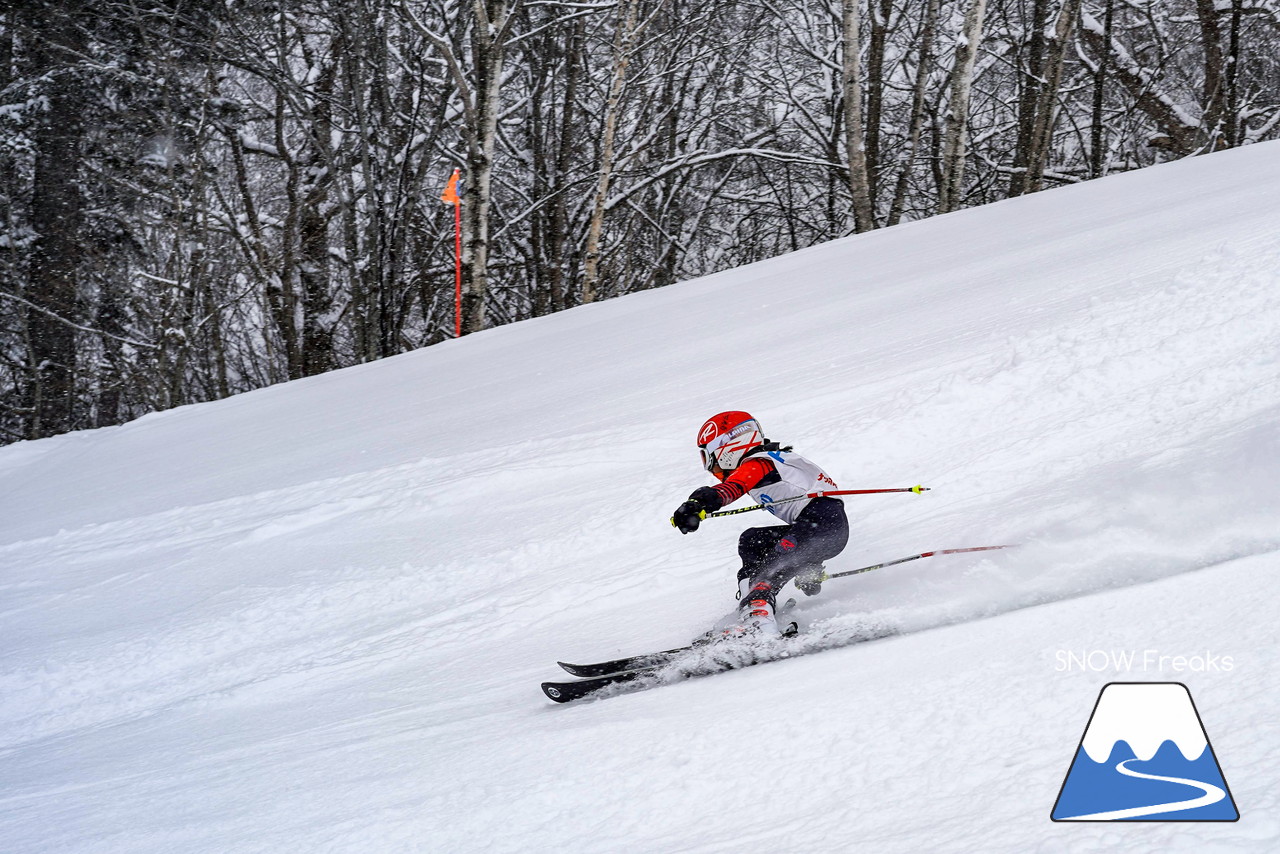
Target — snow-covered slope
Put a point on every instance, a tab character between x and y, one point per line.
314	617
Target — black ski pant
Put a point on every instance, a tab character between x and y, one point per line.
778	553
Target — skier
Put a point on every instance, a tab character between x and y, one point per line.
734	449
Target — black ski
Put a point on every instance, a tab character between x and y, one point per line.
620	671
565	692
621	665
700	659
704	660
651	659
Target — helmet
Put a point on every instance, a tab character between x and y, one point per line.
727	437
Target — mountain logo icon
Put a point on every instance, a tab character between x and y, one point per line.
1145	756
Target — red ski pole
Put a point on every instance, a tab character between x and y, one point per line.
916	489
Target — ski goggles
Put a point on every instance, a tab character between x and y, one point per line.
711	451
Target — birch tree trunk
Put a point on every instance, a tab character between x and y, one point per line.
876	86
855	146
488	36
917	109
957	122
318	322
1232	130
623	43
1047	101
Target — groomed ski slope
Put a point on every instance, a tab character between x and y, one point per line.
314	618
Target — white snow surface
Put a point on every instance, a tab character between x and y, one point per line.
314	618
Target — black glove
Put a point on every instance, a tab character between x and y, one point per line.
707	498
688	516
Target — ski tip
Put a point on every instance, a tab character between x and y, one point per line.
553	692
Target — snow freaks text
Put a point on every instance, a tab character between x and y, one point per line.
1143	661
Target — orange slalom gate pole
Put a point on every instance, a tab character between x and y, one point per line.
450	196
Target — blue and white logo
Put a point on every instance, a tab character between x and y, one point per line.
1145	756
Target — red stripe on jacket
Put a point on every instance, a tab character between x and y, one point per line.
744	478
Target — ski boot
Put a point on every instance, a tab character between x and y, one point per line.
757	612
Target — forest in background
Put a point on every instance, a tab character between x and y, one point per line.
201	200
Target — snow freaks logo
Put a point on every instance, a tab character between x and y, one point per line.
1145	756
1145	660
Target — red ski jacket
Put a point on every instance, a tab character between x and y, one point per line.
746	477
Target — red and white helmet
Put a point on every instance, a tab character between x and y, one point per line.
727	437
